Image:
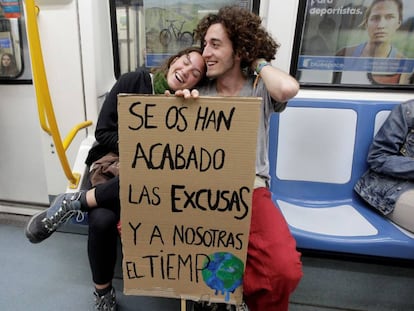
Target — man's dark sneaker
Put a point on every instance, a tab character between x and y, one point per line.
242	307
106	302
43	224
208	306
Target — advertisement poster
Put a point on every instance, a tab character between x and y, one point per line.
170	24
10	9
358	42
10	53
187	170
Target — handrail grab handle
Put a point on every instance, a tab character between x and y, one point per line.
73	132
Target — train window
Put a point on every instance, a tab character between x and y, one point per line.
357	43
11	64
146	32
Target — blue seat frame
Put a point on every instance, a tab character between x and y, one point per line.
390	240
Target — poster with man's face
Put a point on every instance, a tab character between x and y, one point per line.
358	42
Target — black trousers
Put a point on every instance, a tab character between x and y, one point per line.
103	231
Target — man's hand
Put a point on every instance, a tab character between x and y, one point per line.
185	93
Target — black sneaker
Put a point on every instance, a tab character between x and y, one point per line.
106	302
208	306
243	307
43	224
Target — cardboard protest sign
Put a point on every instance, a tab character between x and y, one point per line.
187	170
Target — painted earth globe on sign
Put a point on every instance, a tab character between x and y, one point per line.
223	272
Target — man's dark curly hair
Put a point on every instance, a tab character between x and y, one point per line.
249	38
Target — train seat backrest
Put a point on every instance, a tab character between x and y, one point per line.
322	146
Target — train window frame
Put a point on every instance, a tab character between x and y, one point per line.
300	59
12	20
120	23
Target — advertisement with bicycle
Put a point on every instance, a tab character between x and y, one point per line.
170	24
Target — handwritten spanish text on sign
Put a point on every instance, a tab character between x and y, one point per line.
187	169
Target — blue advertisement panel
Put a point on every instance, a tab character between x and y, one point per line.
5	43
357	42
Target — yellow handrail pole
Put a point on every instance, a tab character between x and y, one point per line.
42	117
40	95
41	86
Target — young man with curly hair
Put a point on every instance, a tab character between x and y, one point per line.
237	51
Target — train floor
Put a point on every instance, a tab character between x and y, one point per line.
54	275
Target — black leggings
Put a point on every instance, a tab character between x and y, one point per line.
103	231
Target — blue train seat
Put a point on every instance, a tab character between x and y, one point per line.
318	151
